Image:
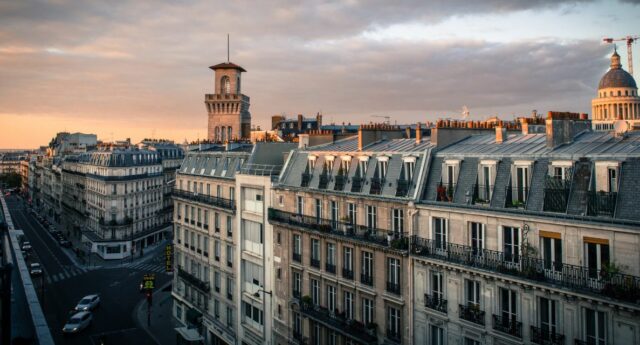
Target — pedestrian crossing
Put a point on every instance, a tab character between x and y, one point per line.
149	267
67	272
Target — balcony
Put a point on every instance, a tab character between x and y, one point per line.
324	181
601	203
346	230
315	263
351	329
194	281
556	194
472	313
393	288
402	188
544	337
507	325
366	279
228	204
394	336
297	294
435	302
347	273
481	194
597	282
445	192
516	196
356	184
306	178
341	180
331	268
297	257
376	185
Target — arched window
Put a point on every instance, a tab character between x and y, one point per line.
216	135
222	134
225	85
238	84
229	133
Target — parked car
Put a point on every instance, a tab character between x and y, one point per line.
78	322
52	228
64	243
35	269
89	303
26	246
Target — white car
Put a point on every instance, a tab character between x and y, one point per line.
26	246
35	269
88	303
78	322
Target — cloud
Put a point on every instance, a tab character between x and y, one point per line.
148	60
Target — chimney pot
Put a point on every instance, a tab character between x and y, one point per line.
418	133
501	134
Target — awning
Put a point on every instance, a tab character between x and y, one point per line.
189	334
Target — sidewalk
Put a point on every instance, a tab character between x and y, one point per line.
163	324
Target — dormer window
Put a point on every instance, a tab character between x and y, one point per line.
486	177
344	166
408	168
382	166
328	164
607	176
362	166
612	179
311	164
520	182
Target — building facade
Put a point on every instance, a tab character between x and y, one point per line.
227	108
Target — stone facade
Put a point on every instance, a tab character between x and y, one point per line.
228	108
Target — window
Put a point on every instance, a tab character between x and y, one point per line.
362	168
348	305
393	275
297	284
253	315
551	251
476	237
331	298
511	241
381	167
318	207
596	253
393	322
352	212
437	335
347	258
612	179
219	191
548	311
408	169
253	276
367	310
331	257
297	245
216	219
229	229
595	327
472	293
437	288
367	267
522	184
485	182
252	237
372	219
315	252
217	250
334	213
440	233
229	317
508	305
315	292
225	85
278	238
398	220
229	288
300	205
297	324
217	281
232	193
253	200
229	256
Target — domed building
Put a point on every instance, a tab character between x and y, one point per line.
617	98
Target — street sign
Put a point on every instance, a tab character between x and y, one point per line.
168	258
149	281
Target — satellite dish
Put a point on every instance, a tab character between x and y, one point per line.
620	127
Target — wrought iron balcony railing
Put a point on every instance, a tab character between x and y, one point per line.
395	240
306	178
297	257
337	322
347	273
598	282
481	194
556	194
393	288
376	185
402	188
366	279
394	336
340	181
445	192
205	199
356	184
315	263
516	196
507	325
331	268
472	313
324	181
194	281
435	302
546	337
601	203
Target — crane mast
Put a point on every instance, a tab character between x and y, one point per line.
629	40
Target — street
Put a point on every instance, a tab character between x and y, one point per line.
64	283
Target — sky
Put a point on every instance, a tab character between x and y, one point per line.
139	69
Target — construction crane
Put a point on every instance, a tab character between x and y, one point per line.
386	118
629	40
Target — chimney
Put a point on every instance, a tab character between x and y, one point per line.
418	133
525	127
319	120
562	127
360	141
300	122
501	134
408	132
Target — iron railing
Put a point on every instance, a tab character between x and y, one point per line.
356	184
395	240
376	185
507	325
206	199
601	282
435	302
340	181
394	288
339	323
366	279
315	263
546	337
481	194
194	281
306	178
472	313
516	196
601	203
297	257
394	336
347	273
445	192
324	181
331	268
556	194
402	188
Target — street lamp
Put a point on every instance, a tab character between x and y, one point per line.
257	295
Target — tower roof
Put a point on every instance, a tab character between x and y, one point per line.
227	65
616	76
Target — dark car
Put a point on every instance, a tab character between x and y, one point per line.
65	243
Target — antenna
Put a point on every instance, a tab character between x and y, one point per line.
227	48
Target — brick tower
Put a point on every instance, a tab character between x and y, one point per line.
228	108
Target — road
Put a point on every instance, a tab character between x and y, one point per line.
63	284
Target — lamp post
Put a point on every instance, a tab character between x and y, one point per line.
257	295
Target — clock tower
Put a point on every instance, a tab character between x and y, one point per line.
228	108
